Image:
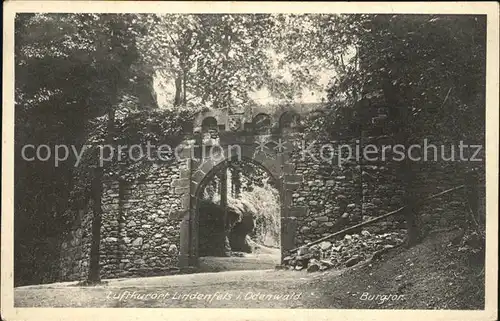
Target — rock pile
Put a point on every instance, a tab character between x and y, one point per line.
346	252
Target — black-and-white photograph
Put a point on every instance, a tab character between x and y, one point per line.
251	160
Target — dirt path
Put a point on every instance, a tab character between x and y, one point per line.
228	289
260	261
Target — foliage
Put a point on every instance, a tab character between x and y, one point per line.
427	72
259	197
422	75
70	69
214	58
265	202
153	128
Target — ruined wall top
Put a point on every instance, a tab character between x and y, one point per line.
253	119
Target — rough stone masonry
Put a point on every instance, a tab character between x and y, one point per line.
149	225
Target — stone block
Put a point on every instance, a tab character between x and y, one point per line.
185	174
139	261
181	190
305	229
172	249
294	179
179	215
291	186
185	201
181	183
288	168
193	188
206	167
298	211
197	176
325	245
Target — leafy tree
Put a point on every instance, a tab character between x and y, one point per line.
212	58
431	74
216	60
70	69
425	74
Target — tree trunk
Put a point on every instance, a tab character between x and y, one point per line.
398	113
178	91
184	82
223	203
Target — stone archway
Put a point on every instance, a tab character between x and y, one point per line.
262	150
219	172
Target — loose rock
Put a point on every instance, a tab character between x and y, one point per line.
325	245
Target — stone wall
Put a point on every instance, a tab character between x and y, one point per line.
331	193
141	231
140	235
75	246
338	196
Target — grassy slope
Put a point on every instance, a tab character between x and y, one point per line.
431	275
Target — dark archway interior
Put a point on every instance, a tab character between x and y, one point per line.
238	211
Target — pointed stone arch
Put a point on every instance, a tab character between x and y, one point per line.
257	149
